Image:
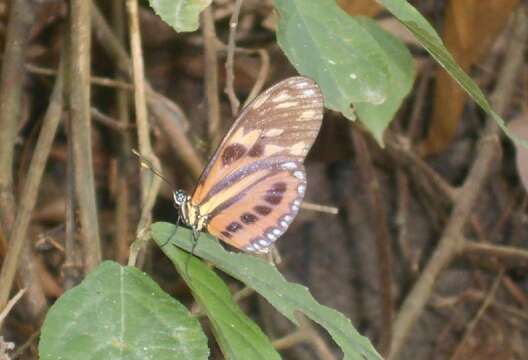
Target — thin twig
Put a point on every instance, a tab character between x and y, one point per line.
79	107
7	308
261	76
243	293
451	242
153	97
71	269
29	342
149	185
21	18
122	232
30	190
142	233
95	80
140	102
485	305
230	61
306	205
211	77
308	334
107	120
379	226
411	256
508	257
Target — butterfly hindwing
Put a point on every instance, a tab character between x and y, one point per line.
265	146
262	212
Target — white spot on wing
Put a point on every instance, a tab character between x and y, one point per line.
307	115
297	149
298	174
287	104
249	248
301	189
264	242
290	165
281	97
301	85
273	132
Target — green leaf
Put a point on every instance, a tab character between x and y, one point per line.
182	15
256	273
353	60
238	336
426	35
120	313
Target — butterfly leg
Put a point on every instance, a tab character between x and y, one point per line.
175	230
195	236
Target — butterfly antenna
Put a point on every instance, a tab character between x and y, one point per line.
147	164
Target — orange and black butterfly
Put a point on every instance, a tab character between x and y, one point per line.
252	188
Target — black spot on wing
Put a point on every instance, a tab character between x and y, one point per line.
234	227
232	153
256	150
278	187
248	218
275	193
262	210
273	199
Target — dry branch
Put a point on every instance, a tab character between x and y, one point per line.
230	61
29	193
80	128
122	231
211	77
138	76
379	225
21	18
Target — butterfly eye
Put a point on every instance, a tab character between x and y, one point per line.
179	197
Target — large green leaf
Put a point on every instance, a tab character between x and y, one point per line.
258	274
120	313
361	68
182	15
430	40
238	336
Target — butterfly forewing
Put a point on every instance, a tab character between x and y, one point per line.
260	159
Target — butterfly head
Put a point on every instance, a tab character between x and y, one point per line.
180	197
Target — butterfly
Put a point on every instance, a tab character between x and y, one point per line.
254	184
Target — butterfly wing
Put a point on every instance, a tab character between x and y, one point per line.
258	166
260	213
